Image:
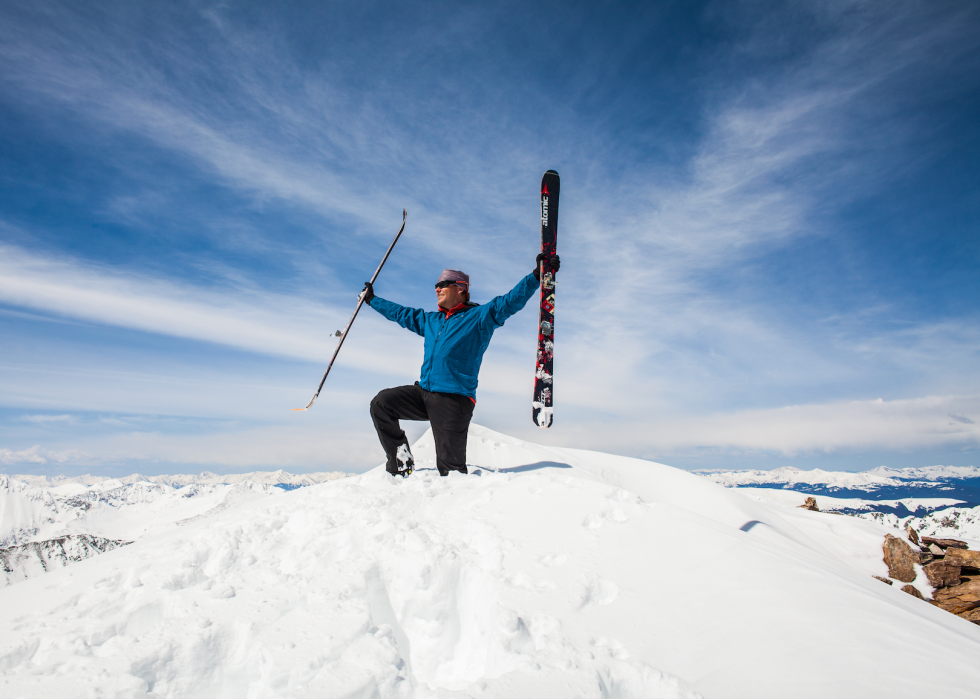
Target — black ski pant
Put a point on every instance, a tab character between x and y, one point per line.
449	415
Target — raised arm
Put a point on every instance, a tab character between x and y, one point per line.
411	318
503	307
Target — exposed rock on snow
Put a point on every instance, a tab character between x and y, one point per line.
960	598
912	534
952	592
27	560
962	557
912	590
942	574
900	559
810	504
945	543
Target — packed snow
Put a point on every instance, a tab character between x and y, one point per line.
545	572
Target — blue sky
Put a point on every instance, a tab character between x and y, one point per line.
769	226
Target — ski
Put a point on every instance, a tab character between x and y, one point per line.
542	410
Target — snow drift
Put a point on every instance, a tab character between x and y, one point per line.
546	572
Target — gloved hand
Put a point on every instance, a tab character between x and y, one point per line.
554	262
368	292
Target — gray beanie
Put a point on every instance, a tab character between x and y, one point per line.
454	275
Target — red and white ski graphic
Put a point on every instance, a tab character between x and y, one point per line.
542	404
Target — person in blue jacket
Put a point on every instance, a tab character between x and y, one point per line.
456	336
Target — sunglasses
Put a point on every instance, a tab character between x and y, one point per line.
447	282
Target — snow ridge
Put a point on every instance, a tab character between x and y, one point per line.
545	572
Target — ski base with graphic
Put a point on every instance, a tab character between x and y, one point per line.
542	404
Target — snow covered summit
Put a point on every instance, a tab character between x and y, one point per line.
545	572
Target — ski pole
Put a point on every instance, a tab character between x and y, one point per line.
360	302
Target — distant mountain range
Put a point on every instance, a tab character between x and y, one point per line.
939	501
947	482
280	479
48	522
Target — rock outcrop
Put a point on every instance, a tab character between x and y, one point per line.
959	599
810	504
945	543
954	574
900	559
912	590
963	558
942	573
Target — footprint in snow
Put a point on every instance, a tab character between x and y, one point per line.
223	592
553	560
599	592
613	647
524	581
594	521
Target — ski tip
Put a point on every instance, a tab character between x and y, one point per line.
299	408
551	172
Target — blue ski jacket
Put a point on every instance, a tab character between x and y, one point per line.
455	341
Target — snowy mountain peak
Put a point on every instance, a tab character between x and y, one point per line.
7	484
877	477
545	572
929	472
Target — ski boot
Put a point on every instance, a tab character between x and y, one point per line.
405	461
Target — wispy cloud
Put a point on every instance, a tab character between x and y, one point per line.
274	131
47	419
895	425
302	448
658	312
243	317
934	422
666	255
39	455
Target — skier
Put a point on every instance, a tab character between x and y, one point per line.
456	336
